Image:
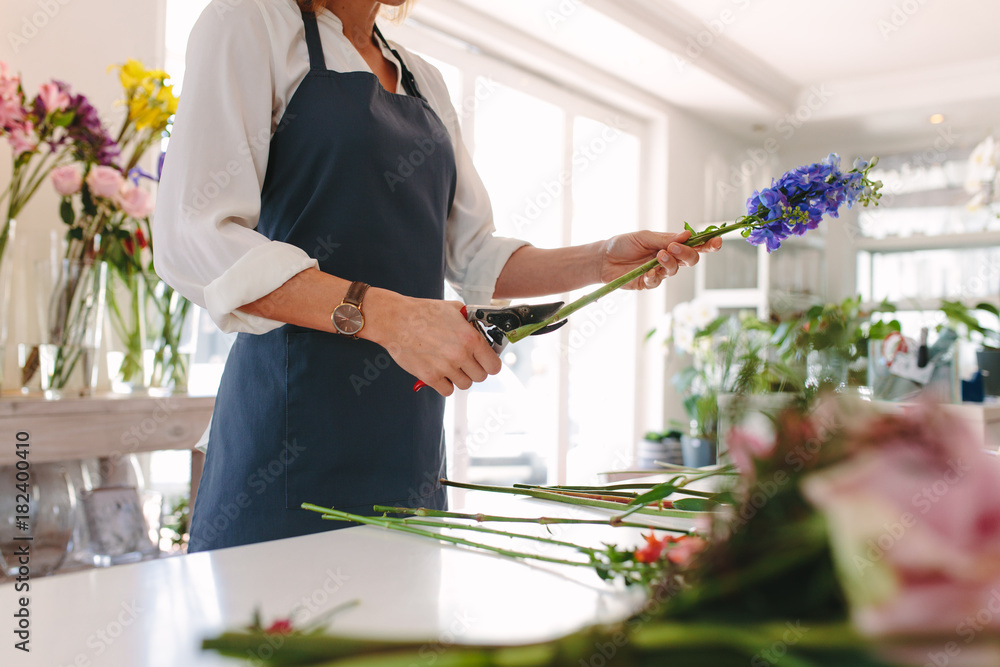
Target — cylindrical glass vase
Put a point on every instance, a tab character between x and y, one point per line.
72	315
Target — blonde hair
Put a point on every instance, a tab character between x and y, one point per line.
395	14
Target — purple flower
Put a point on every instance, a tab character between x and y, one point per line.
797	201
771	235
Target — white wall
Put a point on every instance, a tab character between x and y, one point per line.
699	155
73	41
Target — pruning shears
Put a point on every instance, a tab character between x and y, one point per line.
495	323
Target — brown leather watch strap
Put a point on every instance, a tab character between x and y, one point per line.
355	293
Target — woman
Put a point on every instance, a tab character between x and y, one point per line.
283	198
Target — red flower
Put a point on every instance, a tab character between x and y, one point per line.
141	239
282	626
653	550
129	247
678	550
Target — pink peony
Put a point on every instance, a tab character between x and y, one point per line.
52	97
67	179
105	181
135	201
22	138
914	520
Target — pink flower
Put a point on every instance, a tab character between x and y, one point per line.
135	201
52	97
105	181
8	82
67	179
685	548
11	112
22	138
914	520
745	447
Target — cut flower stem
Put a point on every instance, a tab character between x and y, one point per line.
572	500
542	521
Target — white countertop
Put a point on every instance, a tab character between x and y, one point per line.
157	612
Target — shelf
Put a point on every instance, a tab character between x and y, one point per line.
104	425
922	242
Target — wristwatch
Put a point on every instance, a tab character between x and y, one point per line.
347	317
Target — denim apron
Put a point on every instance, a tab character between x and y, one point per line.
362	180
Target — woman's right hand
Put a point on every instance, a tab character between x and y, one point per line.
429	339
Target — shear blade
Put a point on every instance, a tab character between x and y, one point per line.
549	329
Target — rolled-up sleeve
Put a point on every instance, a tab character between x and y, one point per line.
474	255
208	203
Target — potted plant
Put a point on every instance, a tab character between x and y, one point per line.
831	342
731	354
964	321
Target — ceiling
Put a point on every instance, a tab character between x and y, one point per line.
866	73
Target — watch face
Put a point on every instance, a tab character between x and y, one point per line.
347	319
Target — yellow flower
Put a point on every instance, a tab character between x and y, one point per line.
130	74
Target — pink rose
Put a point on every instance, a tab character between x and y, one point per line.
22	138
67	179
744	447
105	181
134	201
52	97
914	520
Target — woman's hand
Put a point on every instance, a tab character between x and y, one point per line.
627	251
429	339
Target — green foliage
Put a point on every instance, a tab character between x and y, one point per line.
965	322
732	354
840	331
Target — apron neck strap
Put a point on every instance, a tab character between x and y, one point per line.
409	82
316	59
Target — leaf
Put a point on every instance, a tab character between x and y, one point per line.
66	211
63	118
693	504
989	308
712	326
655	494
689	228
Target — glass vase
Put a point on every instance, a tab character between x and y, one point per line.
172	327
71	309
50	508
6	279
126	311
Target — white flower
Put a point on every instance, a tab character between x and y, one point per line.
684	339
703	314
981	170
683	314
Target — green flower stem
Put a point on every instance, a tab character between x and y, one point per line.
612	490
648	643
571	500
567	310
481	529
542	521
391	524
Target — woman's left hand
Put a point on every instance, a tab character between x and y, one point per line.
627	251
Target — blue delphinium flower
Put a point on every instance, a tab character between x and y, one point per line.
797	202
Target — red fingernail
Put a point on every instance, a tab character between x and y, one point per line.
420	384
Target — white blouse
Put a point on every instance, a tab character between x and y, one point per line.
244	61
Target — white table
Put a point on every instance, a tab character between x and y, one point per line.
157	613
